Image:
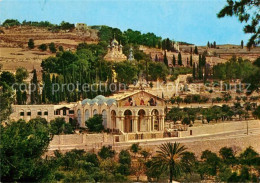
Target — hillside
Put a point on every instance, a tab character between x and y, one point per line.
14	50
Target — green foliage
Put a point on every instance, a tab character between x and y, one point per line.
128	37
196	50
157	70
6	98
167	159
52	47
22	145
94	124
245	11
30	44
66	26
59	126
11	22
234	69
43	47
179	59
21	74
7	77
256	112
106	152
126	72
135	148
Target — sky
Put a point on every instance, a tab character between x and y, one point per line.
192	21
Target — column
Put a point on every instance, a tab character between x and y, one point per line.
162	122
149	121
135	124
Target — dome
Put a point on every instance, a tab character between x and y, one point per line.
114	42
100	99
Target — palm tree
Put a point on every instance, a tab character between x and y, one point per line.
168	158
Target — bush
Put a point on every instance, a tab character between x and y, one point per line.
43	47
59	126
94	124
52	48
106	152
30	44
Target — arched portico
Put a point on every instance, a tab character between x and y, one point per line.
128	121
142	121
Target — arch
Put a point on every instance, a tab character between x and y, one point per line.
128	121
95	112
86	114
113	119
142	122
155	120
104	118
79	117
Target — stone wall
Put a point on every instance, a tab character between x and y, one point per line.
220	127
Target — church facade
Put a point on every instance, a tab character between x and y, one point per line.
137	115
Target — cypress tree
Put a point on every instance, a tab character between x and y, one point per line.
242	44
208	44
191	61
18	96
200	68
53	81
165	60
173	60
34	89
187	61
214	44
190	50
24	97
48	87
203	60
196	50
194	71
30	44
179	59
43	89
159	44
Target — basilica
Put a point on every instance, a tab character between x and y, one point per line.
133	115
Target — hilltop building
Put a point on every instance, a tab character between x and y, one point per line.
135	115
81	27
115	52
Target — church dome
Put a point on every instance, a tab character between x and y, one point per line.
114	42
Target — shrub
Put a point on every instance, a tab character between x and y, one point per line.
94	124
43	47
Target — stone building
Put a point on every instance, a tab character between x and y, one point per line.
81	27
115	52
135	115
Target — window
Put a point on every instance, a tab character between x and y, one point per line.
46	113
21	113
29	113
71	111
39	113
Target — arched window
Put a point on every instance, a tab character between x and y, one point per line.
94	112
104	117
79	117
86	114
113	119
